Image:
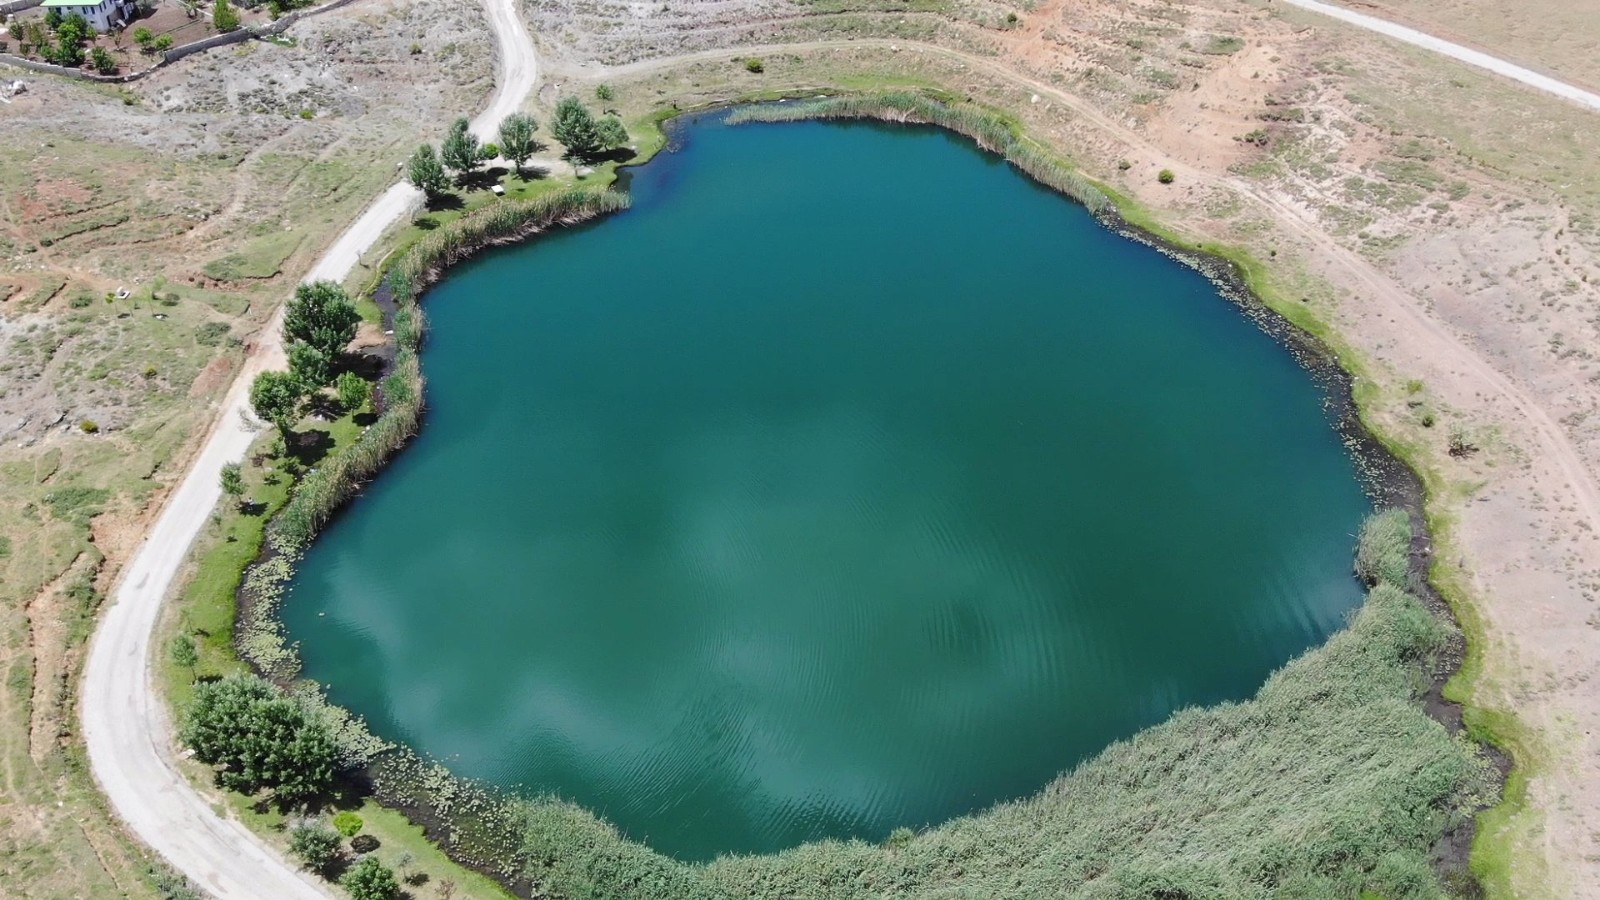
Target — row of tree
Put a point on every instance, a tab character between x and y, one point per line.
319	323
584	137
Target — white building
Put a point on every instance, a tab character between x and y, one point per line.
103	15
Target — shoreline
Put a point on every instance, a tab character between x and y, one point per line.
1386	475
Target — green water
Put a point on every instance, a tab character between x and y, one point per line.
848	481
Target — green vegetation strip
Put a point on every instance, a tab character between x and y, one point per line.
991	132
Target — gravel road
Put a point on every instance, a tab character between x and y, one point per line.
125	720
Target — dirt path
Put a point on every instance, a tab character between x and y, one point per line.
125	720
1455	51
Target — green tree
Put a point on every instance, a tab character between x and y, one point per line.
70	35
53	17
104	63
164	43
354	391
311	365
259	738
370	879
144	37
321	315
314	844
275	397
611	132
459	152
232	480
224	16
183	653
604	93
426	173
516	138
575	128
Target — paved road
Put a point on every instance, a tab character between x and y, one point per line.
125	720
1455	51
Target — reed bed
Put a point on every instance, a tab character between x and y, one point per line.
989	131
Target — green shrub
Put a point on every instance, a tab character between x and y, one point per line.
314	844
88	426
1166	176
347	823
370	879
755	65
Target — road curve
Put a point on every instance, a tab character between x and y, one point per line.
126	726
1455	51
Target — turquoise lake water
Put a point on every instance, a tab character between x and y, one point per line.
847	481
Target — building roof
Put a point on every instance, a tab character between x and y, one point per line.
71	3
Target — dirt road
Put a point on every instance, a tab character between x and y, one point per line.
1455	51
125	720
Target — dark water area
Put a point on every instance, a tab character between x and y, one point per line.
848	481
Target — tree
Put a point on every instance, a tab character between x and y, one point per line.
164	43
459	152
53	17
314	844
354	391
611	132
321	315
260	739
516	138
70	34
604	93
275	397
370	879
232	480
311	365
224	16
425	172
183	653
575	128
103	61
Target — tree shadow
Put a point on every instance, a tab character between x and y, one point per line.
526	174
426	223
252	508
311	446
365	419
367	365
440	202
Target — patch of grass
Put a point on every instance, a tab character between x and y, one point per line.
77	504
262	257
1223	45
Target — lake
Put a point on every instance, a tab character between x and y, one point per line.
848	481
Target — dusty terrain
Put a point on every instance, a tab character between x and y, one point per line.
1447	223
204	193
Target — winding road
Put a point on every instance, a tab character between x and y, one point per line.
125	720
